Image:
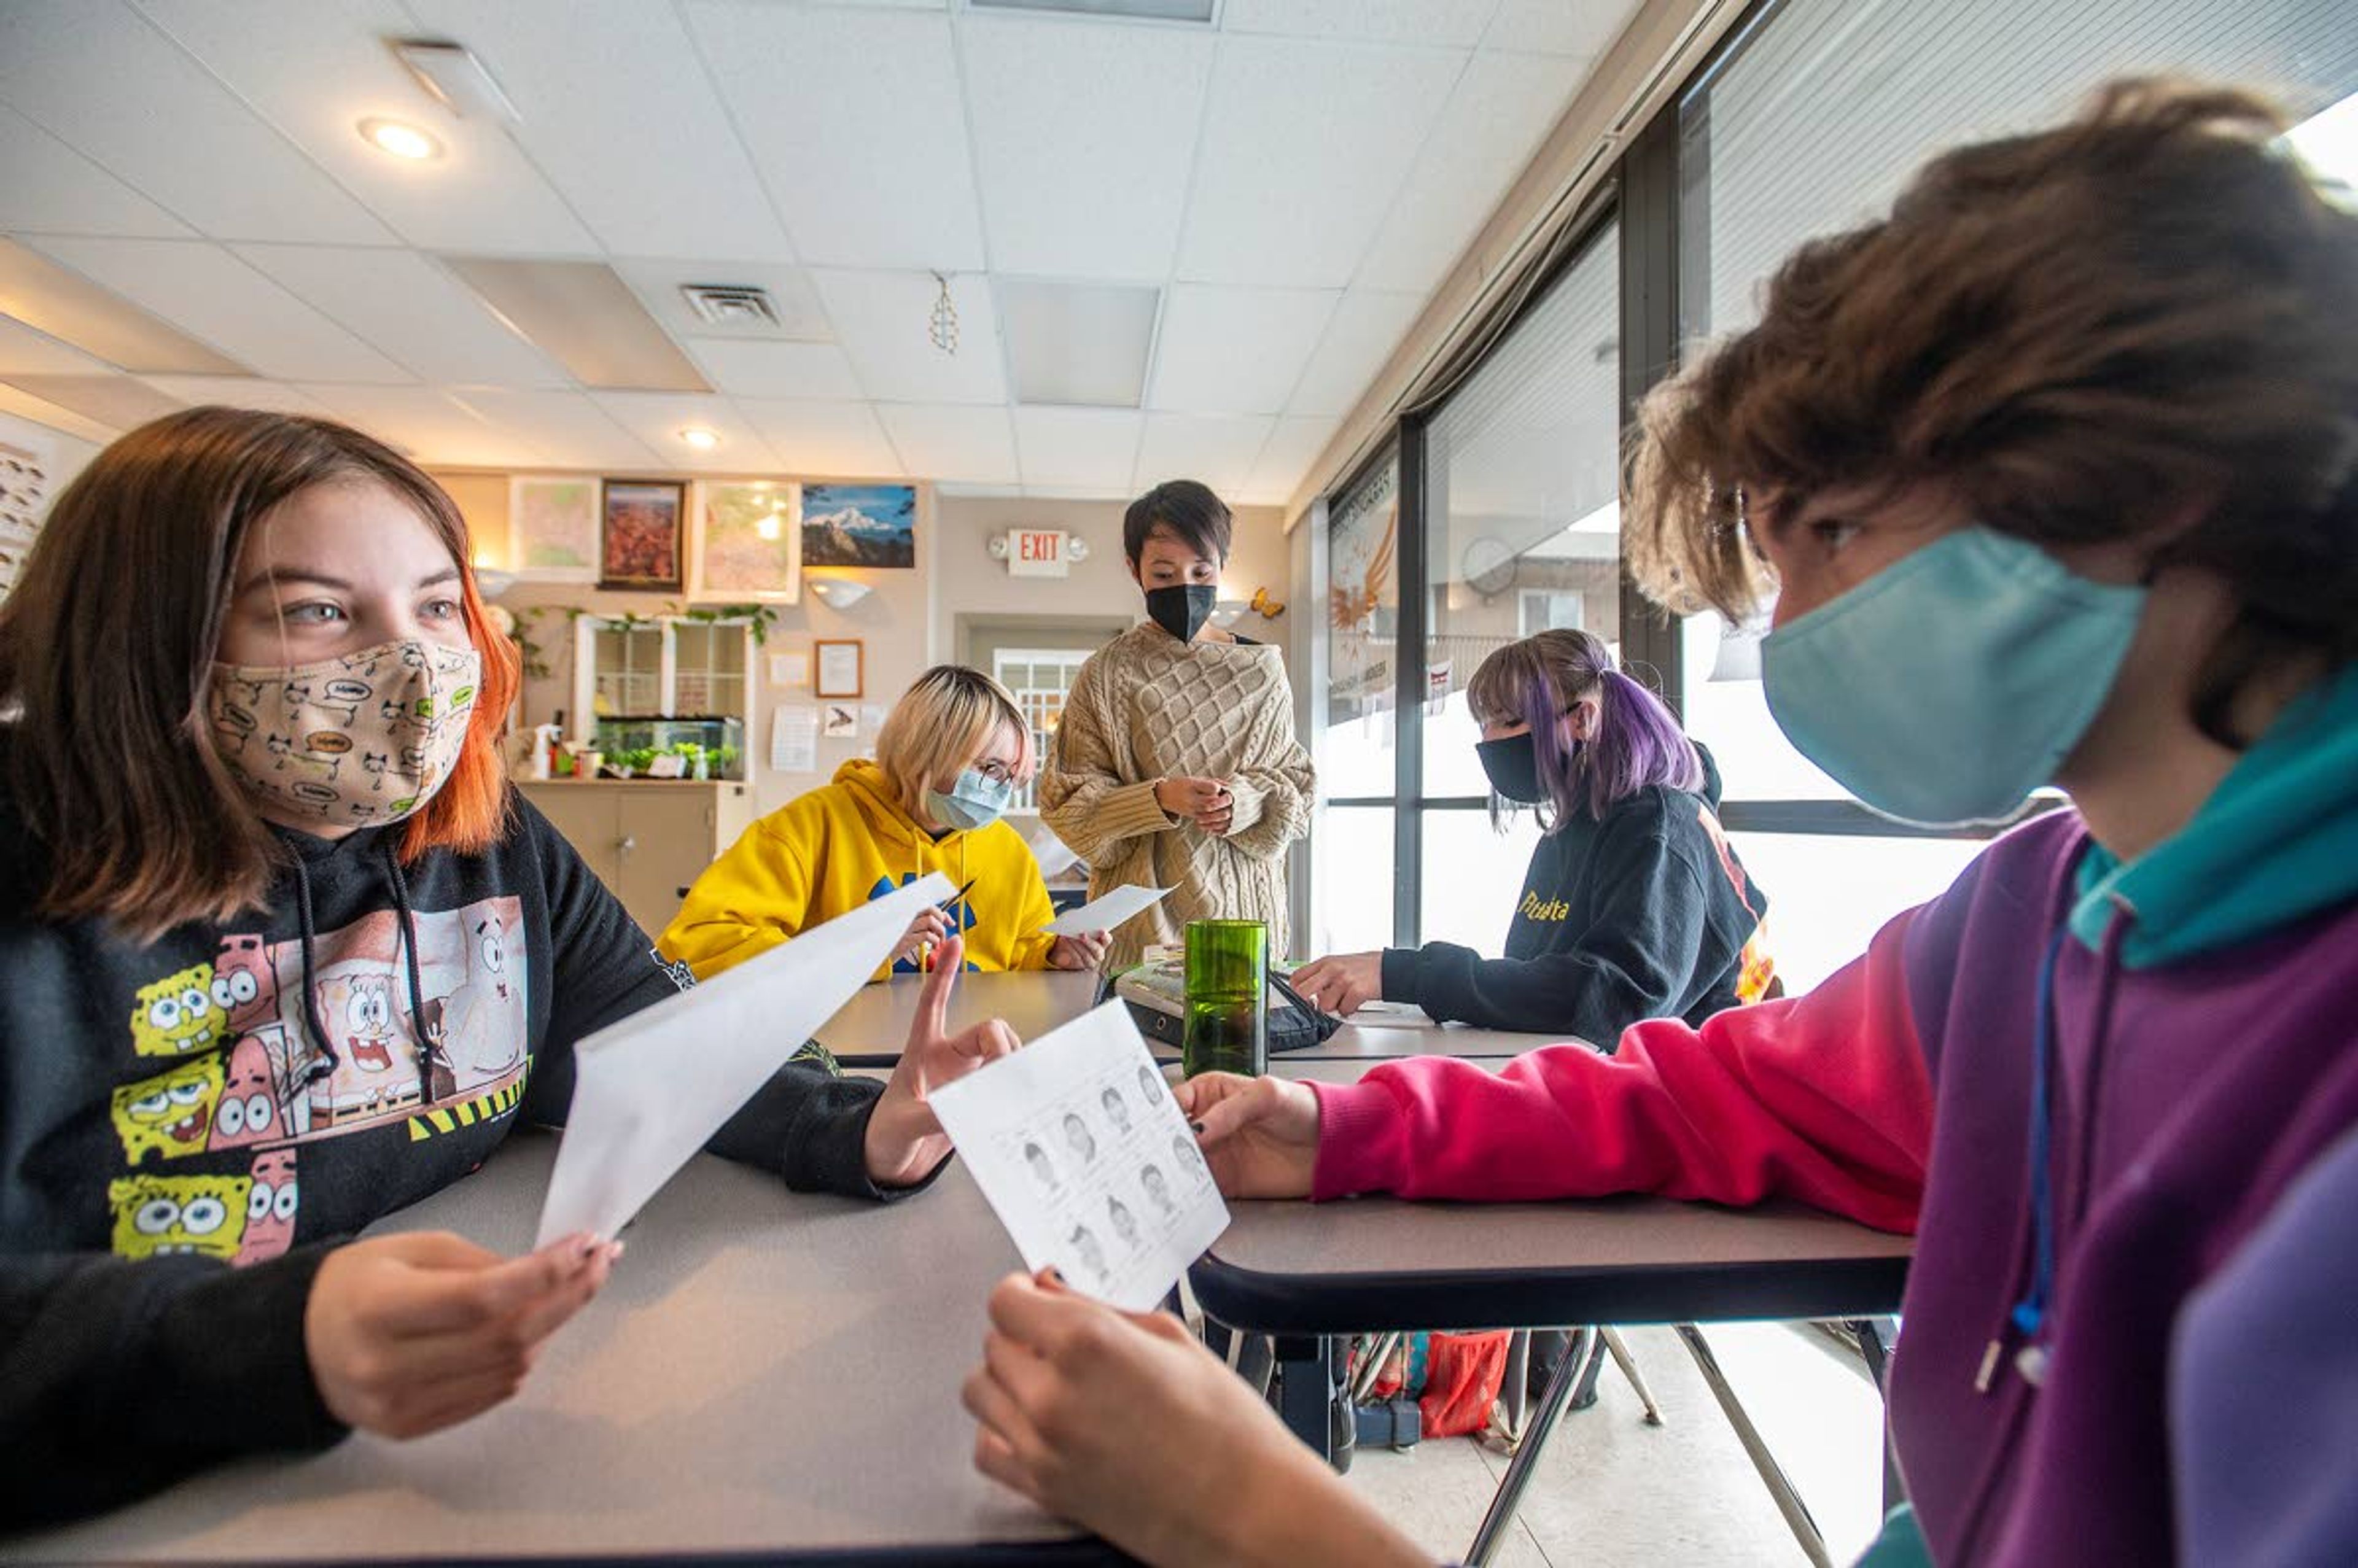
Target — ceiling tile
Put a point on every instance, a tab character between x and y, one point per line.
619	113
855	120
1084	137
238	391
110	398
41	411
46	186
825	440
165	126
1286	460
581	315
1585	28
753	369
57	300
212	294
316	69
972	445
1218	451
657	282
1456	24
1094	449
409	309
1367	327
1235	350
1501	111
27	351
1080	344
565	428
420	422
656	419
882	318
1304	148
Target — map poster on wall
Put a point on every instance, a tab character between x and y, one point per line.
861	525
639	545
553	527
749	542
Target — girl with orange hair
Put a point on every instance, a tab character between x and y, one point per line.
284	954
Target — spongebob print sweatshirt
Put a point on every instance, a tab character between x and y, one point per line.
188	1127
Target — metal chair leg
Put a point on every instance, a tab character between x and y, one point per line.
1628	1364
1544	1416
1789	1501
1875	1336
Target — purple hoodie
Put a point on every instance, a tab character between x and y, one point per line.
2188	1098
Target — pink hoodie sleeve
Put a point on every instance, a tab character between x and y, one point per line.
1823	1097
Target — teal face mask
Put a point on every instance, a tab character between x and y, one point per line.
973	801
1949	686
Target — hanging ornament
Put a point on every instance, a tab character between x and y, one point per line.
942	326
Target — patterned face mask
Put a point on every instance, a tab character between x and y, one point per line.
356	742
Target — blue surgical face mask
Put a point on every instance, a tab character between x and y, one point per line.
973	801
1951	684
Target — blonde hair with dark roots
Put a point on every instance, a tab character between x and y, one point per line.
2076	333
941	724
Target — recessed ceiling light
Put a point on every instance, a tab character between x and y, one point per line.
399	139
702	439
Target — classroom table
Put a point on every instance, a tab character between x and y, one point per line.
871	1029
769	1376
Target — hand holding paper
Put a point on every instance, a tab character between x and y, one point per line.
1105	913
649	1090
1084	1155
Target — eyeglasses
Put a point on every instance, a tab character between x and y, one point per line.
996	771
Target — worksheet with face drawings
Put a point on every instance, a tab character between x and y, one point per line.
1084	1155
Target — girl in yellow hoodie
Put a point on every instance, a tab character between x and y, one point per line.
947	761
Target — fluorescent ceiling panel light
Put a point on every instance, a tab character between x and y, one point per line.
1077	344
1121	10
2328	143
583	316
72	309
115	400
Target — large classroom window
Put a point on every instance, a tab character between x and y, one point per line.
1809	123
1357	746
1523	531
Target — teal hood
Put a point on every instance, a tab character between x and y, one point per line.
2276	841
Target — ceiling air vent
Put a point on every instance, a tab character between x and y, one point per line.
732	305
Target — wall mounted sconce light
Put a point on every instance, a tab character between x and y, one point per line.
839	592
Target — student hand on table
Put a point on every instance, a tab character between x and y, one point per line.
1343	984
1206	803
931	928
407	1335
1066	1385
904	1139
1258	1135
1085	950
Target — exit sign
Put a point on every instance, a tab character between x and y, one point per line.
1037	552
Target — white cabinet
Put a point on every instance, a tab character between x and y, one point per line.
646	839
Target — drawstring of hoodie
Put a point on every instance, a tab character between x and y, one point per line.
328	1061
429	1039
325	1067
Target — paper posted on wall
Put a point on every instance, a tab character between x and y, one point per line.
1086	1158
651	1090
1105	913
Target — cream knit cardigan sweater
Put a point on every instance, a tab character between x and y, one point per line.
1148	706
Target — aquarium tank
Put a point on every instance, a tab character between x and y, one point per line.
707	748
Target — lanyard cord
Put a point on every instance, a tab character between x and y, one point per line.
2030	1311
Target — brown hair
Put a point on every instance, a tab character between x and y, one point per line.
941	724
2077	334
106	656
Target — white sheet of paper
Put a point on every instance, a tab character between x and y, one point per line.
1390	1015
794	739
1086	1158
1052	853
651	1088
1105	913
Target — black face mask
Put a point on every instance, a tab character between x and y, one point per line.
1513	765
1182	609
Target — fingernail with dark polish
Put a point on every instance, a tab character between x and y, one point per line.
1198	1127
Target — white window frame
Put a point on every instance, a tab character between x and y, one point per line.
1069	661
585	668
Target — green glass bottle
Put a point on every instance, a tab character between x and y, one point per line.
1228	986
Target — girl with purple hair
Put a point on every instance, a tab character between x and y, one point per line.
1634	907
